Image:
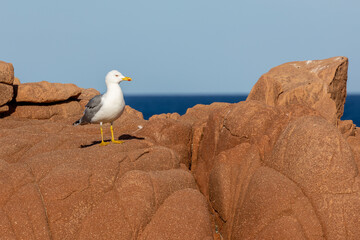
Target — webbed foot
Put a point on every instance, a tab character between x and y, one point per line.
103	143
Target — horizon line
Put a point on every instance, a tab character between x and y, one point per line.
200	94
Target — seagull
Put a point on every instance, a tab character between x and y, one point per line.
107	107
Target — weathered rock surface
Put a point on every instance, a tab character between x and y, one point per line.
132	111
6	73
236	159
4	108
315	156
6	93
319	84
192	223
45	100
274	207
270	168
174	116
170	133
354	142
57	184
197	117
245	122
347	128
45	92
6	88
16	81
65	109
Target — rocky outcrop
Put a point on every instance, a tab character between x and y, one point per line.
174	116
169	224
45	92
47	110
281	165
63	109
281	168
6	73
326	173
319	84
7	92
40	100
169	133
16	81
58	184
68	101
6	88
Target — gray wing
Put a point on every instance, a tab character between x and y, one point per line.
94	102
91	108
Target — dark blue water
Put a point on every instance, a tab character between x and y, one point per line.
150	105
352	109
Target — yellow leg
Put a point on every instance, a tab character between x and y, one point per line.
102	137
112	136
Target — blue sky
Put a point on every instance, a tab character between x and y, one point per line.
175	47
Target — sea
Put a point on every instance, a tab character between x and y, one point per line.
157	104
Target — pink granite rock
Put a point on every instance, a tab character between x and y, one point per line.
6	73
319	84
6	93
45	92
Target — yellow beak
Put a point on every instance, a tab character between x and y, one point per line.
127	79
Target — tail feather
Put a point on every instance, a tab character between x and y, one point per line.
77	122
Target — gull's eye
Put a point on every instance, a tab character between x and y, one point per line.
116	75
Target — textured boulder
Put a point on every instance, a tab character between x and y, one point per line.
174	116
130	110
182	216
315	156
45	92
228	183
16	81
170	133
354	142
347	128
309	189
307	185
271	206
62	110
6	93
246	122
319	84
23	213
197	117
6	73
57	183
6	88
32	137
321	160
139	195
296	145
200	112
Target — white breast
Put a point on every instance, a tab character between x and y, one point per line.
113	105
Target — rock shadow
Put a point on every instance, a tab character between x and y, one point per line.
122	137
